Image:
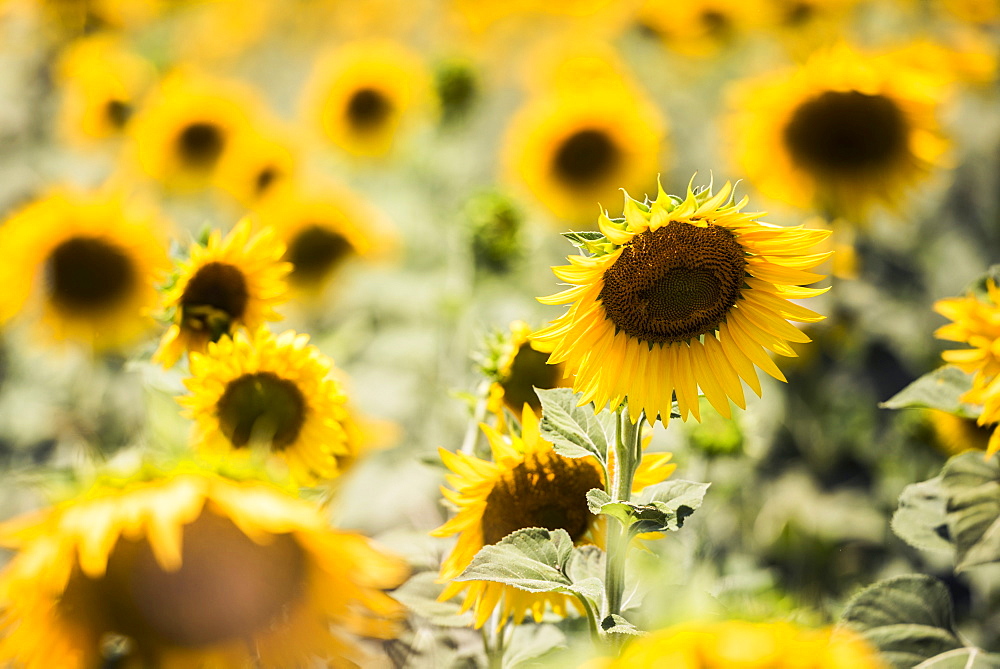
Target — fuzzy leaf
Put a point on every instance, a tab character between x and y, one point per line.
531	559
661	508
575	432
907	618
615	624
962	658
973	508
939	389
419	594
921	519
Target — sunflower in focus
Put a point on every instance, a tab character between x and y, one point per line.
976	322
516	368
527	484
573	149
231	282
698	28
189	125
681	294
363	95
101	83
274	393
84	267
840	133
735	643
188	568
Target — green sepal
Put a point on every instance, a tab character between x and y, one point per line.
590	241
940	389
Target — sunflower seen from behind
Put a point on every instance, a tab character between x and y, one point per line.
527	484
273	393
681	294
841	133
231	282
187	567
84	267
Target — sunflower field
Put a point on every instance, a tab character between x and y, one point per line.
598	334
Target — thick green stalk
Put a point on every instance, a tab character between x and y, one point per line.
627	455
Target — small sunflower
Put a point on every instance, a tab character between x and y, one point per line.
101	83
232	282
189	125
736	643
262	162
270	392
517	369
805	25
682	294
83	266
322	228
574	149
956	434
363	94
188	568
698	28
526	485
976	322
842	132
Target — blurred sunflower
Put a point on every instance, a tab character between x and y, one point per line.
574	149
955	434
526	485
842	132
101	83
973	11
698	28
189	568
516	367
189	125
273	393
231	282
363	94
83	267
805	25
735	643
322	226
681	294
261	162
976	322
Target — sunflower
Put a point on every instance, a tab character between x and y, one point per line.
982	12
261	162
231	282
526	485
272	392
322	226
735	643
572	149
84	266
517	369
189	125
956	434
804	25
842	132
976	322
698	27
681	294
363	94
101	83
189	568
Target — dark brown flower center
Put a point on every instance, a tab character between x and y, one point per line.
228	588
586	158
262	408
118	113
215	296
265	179
547	491
841	132
200	145
715	22
315	252
798	13
674	284
529	370
368	109
87	275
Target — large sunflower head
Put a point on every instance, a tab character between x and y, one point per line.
842	132
516	367
573	149
231	282
362	94
527	484
83	266
275	394
681	294
188	568
189	125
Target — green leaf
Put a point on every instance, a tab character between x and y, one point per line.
661	508
574	431
532	559
921	519
615	624
939	389
531	642
973	508
962	658
419	594
907	618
